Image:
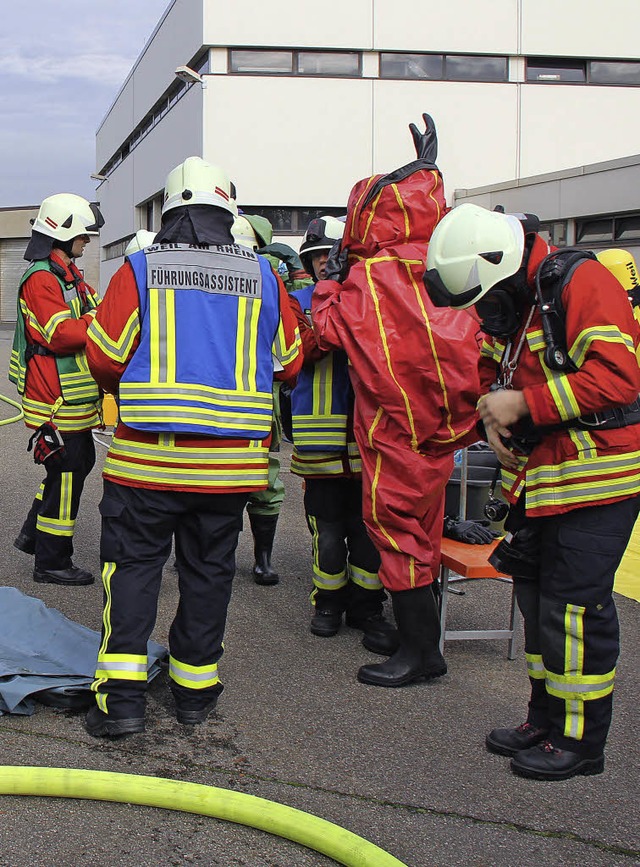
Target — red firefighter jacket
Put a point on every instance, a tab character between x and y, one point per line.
167	461
413	366
572	467
49	323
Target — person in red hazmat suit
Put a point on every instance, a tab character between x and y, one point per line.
414	374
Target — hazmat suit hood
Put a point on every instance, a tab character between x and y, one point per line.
402	207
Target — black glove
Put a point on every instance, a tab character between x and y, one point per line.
426	143
337	266
471	532
47	445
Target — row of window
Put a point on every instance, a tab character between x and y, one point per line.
170	97
598	229
431	67
618	228
292	221
285	221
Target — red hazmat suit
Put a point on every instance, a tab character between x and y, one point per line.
413	367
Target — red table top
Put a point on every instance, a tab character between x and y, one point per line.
470	561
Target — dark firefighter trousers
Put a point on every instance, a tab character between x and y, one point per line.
345	560
52	517
572	637
137	530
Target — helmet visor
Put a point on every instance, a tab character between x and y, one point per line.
98	222
442	297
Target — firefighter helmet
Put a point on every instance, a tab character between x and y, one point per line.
142	238
322	233
622	265
64	216
197	182
244	234
471	250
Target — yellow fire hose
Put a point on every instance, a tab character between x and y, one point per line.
12	403
300	827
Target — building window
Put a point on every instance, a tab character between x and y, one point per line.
330	63
420	66
270	62
618	72
460	67
555	233
556	69
291	221
594	231
116	250
450	67
627	228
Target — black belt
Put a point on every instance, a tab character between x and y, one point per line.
36	349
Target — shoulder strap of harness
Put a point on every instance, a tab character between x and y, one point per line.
553	274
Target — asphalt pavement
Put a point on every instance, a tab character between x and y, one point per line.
404	768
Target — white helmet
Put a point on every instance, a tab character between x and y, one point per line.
142	238
244	234
65	216
471	249
197	182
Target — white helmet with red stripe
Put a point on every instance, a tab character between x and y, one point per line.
197	182
65	216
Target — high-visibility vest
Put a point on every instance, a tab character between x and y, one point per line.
209	316
77	386
320	401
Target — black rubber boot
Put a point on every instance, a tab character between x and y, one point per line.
418	657
330	606
365	612
263	528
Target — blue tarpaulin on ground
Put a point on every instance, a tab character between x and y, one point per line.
41	649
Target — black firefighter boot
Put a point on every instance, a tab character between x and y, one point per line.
263	528
419	657
365	612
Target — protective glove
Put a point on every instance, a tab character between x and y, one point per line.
426	143
47	444
471	532
337	266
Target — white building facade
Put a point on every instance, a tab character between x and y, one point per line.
299	101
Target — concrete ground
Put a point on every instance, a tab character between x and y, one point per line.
404	768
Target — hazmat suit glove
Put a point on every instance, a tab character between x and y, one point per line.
337	266
426	143
470	532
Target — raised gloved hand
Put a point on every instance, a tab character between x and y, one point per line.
471	532
426	143
337	266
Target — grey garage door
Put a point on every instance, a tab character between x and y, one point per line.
12	267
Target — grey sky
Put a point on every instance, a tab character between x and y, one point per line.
61	65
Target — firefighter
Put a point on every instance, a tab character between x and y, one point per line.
325	455
60	399
414	375
568	441
186	337
263	507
